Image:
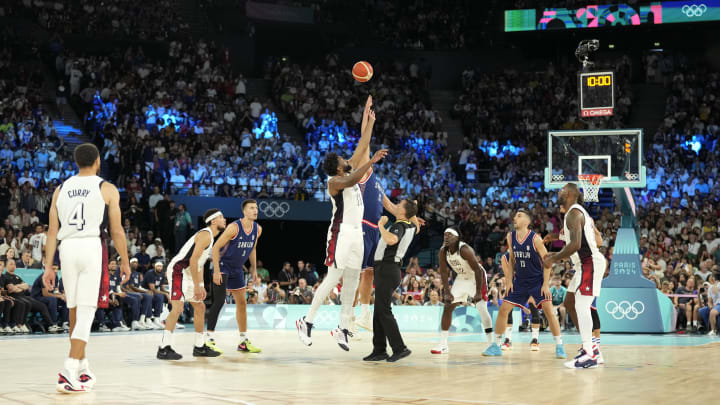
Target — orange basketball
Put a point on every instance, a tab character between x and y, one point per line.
362	71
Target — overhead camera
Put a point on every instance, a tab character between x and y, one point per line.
585	49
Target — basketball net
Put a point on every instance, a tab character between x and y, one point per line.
590	183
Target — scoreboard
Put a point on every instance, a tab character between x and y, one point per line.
597	93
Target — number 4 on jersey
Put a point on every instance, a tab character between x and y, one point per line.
76	217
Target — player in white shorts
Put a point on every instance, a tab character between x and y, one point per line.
81	209
345	246
470	285
586	283
185	276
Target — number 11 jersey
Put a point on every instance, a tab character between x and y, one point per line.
82	210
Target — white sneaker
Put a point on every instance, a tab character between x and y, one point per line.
25	329
87	378
68	385
149	325
136	325
118	329
712	333
304	330
16	330
104	328
354	331
8	330
341	337
178	326
440	349
66	327
54	329
365	321
159	323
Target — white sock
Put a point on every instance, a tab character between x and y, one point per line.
498	339
209	336
166	338
364	309
199	340
558	339
536	332
489	337
596	342
243	335
443	337
508	332
83	366
142	318
694	323
71	367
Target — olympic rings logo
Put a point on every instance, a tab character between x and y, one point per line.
274	209
625	309
694	10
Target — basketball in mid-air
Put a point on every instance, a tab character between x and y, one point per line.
362	71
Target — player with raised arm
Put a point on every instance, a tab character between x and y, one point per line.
344	244
528	278
586	283
470	284
185	276
236	246
374	200
81	209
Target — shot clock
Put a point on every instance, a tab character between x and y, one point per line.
597	93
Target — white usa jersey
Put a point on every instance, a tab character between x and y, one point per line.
81	208
574	258
459	264
588	244
181	261
348	207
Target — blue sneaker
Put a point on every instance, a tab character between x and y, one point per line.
583	361
493	350
560	352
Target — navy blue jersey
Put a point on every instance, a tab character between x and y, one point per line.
151	277
114	280
135	279
238	250
372	195
528	265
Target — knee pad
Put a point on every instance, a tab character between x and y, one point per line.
84	316
595	319
535	315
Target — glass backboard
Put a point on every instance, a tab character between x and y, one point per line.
616	154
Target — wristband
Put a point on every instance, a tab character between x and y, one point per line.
201	284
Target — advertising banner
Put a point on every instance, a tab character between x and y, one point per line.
611	15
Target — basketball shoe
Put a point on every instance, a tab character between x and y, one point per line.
440	349
211	343
304	329
582	361
85	376
341	337
507	345
493	350
246	346
535	345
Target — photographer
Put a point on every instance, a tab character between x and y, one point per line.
303	293
274	294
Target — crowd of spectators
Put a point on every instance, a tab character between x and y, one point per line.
132	19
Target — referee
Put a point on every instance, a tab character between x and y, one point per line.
393	245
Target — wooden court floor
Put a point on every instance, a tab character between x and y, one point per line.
651	370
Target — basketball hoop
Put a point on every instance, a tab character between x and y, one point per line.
590	184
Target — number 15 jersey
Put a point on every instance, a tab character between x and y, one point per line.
82	211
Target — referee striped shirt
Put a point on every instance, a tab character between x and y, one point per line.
405	231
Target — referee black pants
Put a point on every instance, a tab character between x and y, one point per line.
387	279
